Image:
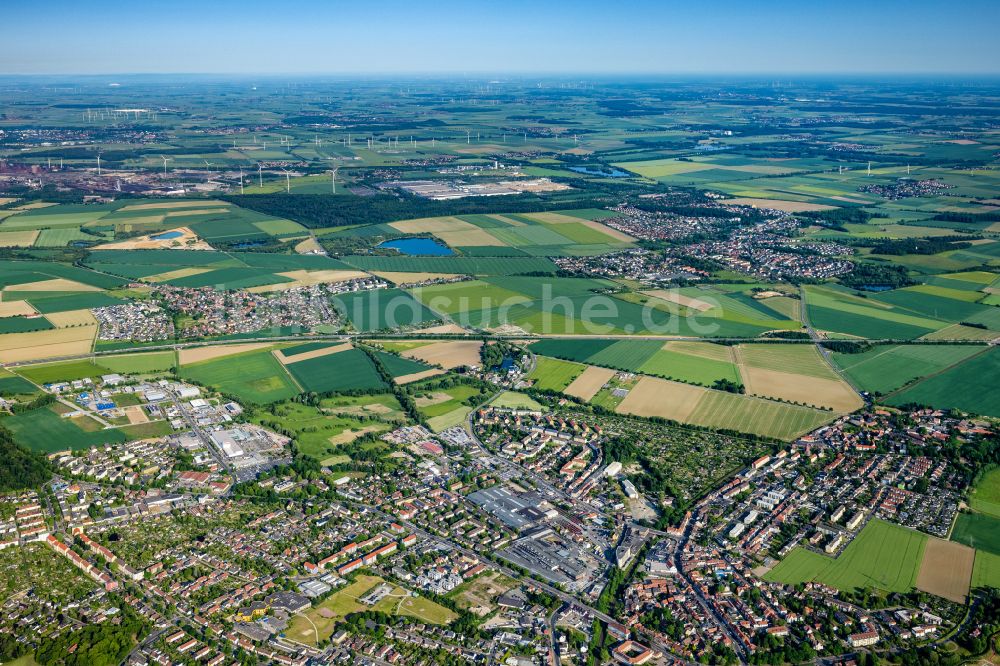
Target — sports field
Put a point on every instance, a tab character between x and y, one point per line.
883	555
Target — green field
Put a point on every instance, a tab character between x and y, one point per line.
553	374
50	373
256	377
883	556
885	368
312	429
446	407
688	368
24	324
381	309
979	531
11	385
740	413
986	571
400	366
318	623
986	495
341	371
515	400
44	430
959	387
138	364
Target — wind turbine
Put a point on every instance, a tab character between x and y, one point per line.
98	164
165	158
208	171
333	179
241	180
260	174
869	167
288	182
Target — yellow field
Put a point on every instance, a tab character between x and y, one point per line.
417	376
701	349
316	353
589	382
176	274
659	397
24	238
55	284
197	211
135	414
448	354
303	278
15	309
470	237
959	332
816	391
71	318
348	436
308	246
946	569
556	218
432	225
172	204
37	345
778	204
188	240
196	354
673	296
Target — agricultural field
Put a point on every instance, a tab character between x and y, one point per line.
960	386
985	497
382	309
719	409
979	531
986	572
883	556
256	377
551	374
559	233
94	225
345	369
45	429
794	373
219	270
885	368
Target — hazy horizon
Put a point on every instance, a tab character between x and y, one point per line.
310	37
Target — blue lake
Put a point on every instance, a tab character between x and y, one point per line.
167	235
427	247
610	173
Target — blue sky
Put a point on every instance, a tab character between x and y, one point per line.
365	36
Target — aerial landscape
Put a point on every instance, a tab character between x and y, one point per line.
458	340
